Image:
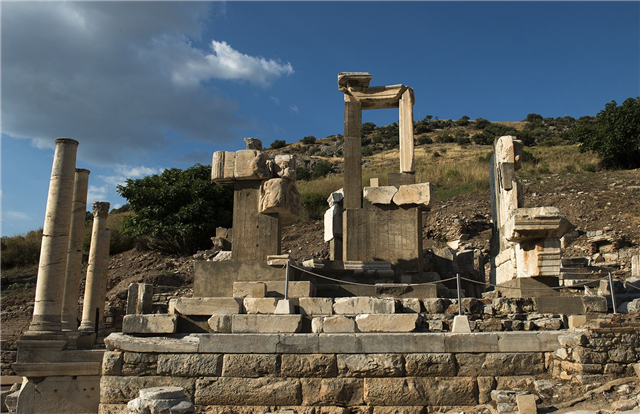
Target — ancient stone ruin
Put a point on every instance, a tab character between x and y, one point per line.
381	327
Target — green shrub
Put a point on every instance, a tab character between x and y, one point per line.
308	140
21	250
424	140
366	152
421	129
481	123
483	138
321	169
444	138
377	138
463	121
178	210
303	173
588	167
313	205
278	143
528	157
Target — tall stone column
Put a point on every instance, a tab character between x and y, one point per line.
352	153
55	241
74	257
406	132
93	283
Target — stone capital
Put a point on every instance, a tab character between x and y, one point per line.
100	208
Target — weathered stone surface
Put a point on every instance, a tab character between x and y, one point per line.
311	365
219	323
634	306
410	305
206	306
148	324
120	390
401	322
112	363
333	324
500	364
420	391
139	298
414	194
280	196
223	166
266	323
370	365
239	391
243	168
249	290
253	144
400	410
260	305
430	365
250	365
333	222
285	166
315	306
335	197
359	305
139	363
332	391
436	305
118	341
461	324
526	404
380	195
190	365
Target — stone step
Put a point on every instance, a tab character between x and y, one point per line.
205	306
266	323
274	289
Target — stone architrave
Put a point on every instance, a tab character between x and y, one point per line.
405	125
414	194
47	311
380	195
74	258
223	166
93	286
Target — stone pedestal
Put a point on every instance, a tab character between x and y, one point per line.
55	241
74	258
93	293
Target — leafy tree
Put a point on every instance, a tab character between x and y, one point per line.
313	205
463	121
177	210
534	118
483	138
321	169
303	173
310	139
368	128
424	140
481	123
615	136
278	143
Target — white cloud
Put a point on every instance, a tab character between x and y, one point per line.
227	63
96	193
16	215
275	100
294	109
118	76
136	172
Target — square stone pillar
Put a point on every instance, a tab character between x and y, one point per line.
352	153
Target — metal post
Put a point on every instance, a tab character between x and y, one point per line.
459	295
286	283
613	295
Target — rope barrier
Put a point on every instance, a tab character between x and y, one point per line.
363	284
520	288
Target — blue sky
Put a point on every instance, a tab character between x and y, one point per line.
154	85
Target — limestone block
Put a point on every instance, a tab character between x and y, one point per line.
266	323
149	324
278	260
461	324
526	404
280	196
633	306
401	322
414	194
139	298
57	395
244	165
336	197
223	167
380	195
430	365
308	365
374	182
370	365
253	144
635	265
237	391
249	290
297	288
338	324
112	363
332	391
333	222
315	306
317	325
363	304
260	305
122	389
574	321
190	365
207	306
220	323
435	305
250	365
421	391
410	305
535	223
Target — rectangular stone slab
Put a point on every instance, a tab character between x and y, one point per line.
206	306
150	324
266	323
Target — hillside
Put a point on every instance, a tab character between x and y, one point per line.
552	175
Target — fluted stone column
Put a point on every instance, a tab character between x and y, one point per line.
93	284
74	257
55	241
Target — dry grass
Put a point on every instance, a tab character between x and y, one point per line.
456	169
